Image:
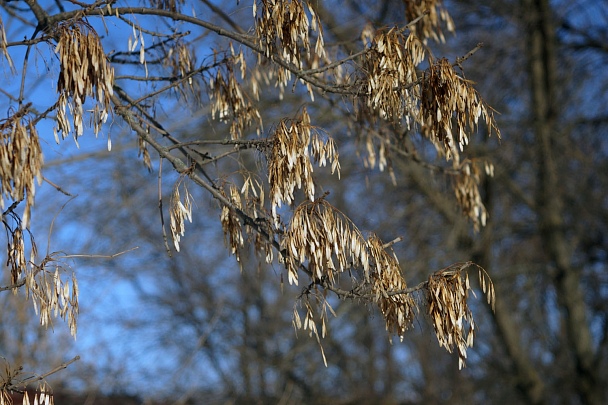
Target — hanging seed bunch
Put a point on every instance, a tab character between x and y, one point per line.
430	25
85	72
16	259
20	161
228	100
179	212
466	188
3	48
42	396
390	66
294	142
181	60
399	310
447	294
231	224
326	240
51	295
446	95
310	320
450	109
142	146
254	196
283	28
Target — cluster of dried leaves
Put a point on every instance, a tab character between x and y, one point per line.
3	49
325	240
447	293
248	201
229	102
85	72
295	143
449	99
179	212
389	289
283	28
442	103
283	31
20	160
231	222
450	110
325	243
51	295
466	183
181	60
430	25
390	72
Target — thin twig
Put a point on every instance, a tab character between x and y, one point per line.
391	243
57	187
48	246
461	59
60	367
90	256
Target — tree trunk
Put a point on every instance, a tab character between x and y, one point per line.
527	378
543	80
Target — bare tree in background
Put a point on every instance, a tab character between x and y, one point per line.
127	66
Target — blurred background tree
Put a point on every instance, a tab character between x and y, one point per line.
199	327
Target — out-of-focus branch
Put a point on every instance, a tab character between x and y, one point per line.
19	385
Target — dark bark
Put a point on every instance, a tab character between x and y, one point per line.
542	62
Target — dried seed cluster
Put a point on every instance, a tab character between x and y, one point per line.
16	260
399	310
229	102
283	28
142	148
466	188
254	196
390	68
294	142
430	25
448	100
43	396
84	72
447	294
250	200
20	161
231	223
328	243
310	323
179	212
444	104
446	95
3	49
324	238
51	296
181	60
